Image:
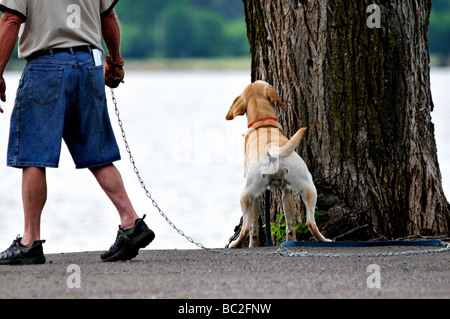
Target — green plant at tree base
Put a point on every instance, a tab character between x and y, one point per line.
278	228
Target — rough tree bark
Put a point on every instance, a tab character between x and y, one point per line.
365	95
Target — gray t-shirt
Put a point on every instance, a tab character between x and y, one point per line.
50	24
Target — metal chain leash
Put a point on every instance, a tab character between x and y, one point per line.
282	251
141	181
288	253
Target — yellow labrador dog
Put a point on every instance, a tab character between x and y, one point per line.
271	162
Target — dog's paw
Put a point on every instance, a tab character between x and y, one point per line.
233	245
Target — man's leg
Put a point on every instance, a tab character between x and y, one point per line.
34	196
28	249
111	182
134	233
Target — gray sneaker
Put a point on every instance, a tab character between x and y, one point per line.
17	254
128	242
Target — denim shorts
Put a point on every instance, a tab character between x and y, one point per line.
61	96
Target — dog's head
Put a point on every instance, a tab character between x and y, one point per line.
257	101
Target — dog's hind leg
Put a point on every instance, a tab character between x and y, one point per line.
246	206
288	208
254	225
309	195
310	199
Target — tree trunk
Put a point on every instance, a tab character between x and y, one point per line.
364	93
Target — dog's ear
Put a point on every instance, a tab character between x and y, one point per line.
273	95
237	109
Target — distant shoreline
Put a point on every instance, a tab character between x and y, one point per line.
187	64
190	64
198	64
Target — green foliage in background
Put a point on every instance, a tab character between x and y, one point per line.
439	34
216	28
182	28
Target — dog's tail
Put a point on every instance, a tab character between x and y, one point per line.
290	147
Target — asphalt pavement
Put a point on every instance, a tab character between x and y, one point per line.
234	274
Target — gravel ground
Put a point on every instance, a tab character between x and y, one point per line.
200	274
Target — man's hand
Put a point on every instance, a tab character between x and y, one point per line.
9	30
2	91
114	73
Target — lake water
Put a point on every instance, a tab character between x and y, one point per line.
188	155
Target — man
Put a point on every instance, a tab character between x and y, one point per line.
61	95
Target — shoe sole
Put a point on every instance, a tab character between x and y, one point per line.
133	247
24	261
